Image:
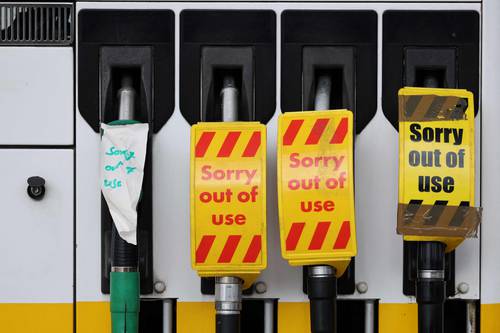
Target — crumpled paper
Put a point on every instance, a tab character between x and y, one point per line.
123	153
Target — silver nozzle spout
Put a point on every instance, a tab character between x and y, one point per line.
323	92
126	99
229	95
228	295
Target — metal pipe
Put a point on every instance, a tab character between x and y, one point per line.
430	81
471	317
228	305
126	99
229	99
431	284
370	316
269	316
323	93
168	311
228	289
321	279
124	276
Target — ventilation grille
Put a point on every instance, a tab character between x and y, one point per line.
32	24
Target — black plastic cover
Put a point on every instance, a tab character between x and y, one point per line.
126	28
453	30
217	62
255	29
341	30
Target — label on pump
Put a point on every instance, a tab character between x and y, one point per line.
228	199
316	188
436	165
123	154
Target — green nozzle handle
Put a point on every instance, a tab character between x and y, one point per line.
125	302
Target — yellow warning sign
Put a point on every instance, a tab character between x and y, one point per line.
315	188
436	165
228	199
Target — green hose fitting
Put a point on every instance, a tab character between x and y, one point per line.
125	302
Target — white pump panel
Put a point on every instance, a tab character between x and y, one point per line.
36	96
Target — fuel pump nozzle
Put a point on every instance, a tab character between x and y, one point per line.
321	279
124	277
228	289
431	283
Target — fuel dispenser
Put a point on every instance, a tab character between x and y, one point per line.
227	76
328	58
125	92
126	139
436	197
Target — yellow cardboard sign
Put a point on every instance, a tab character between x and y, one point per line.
436	163
316	188
228	199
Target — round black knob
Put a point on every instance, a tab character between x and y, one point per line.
36	187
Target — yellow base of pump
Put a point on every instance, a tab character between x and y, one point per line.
37	317
199	317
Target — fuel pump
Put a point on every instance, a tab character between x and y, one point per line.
125	94
321	279
435	50
327	61
435	193
324	265
228	288
124	276
227	85
228	177
310	146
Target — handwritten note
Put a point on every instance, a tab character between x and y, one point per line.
123	153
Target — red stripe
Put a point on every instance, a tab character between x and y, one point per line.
253	145
204	247
319	235
317	131
291	131
204	143
343	237
229	142
340	132
294	235
229	249
253	250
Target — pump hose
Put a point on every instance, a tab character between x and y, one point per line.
227	323
322	293
431	287
124	278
